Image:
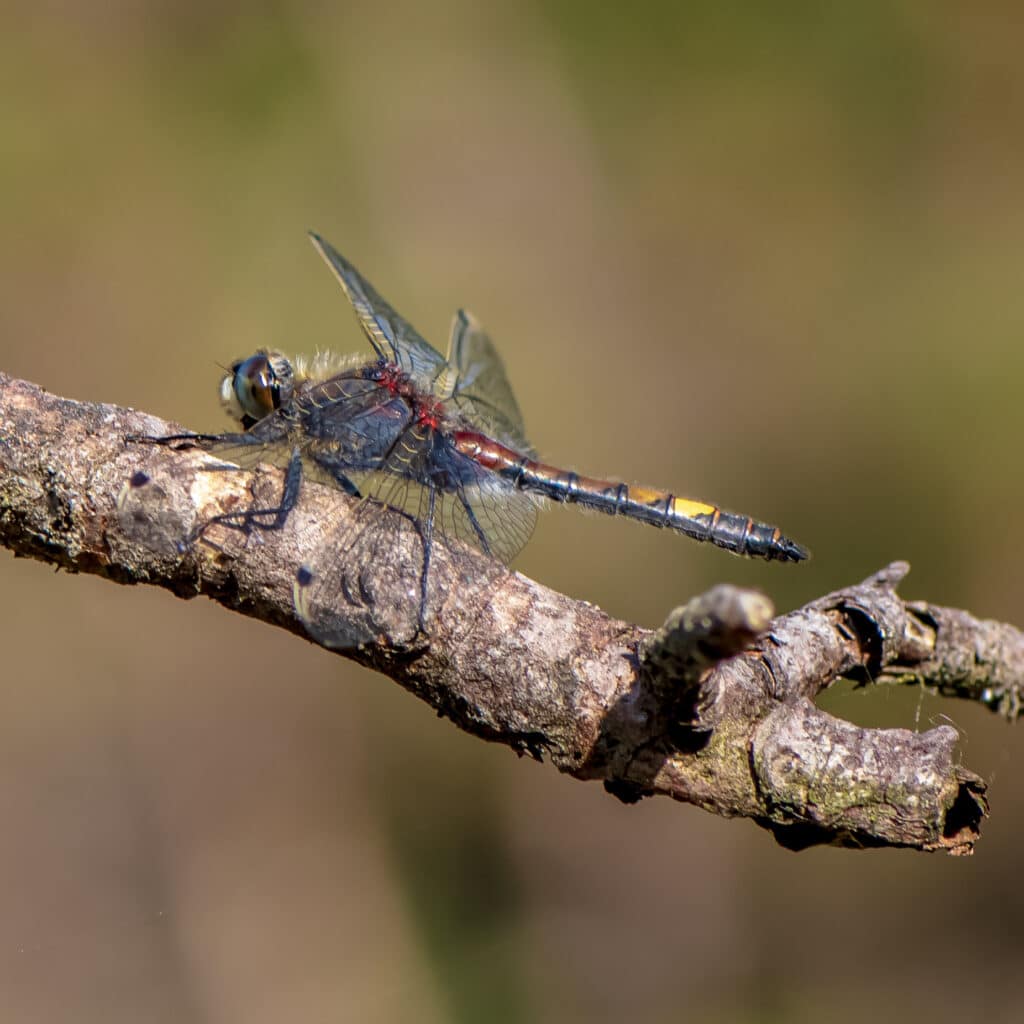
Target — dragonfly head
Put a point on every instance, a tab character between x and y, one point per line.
253	388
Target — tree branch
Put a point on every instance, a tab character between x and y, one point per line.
714	709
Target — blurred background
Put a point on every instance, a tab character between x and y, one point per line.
770	257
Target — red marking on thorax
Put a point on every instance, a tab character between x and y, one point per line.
393	380
428	411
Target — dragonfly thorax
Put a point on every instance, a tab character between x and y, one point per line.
427	410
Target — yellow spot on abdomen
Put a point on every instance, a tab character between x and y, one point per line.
692	509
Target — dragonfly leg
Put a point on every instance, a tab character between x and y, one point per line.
481	537
182	441
426	532
336	469
425	528
253	518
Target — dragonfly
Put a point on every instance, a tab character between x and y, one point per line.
437	438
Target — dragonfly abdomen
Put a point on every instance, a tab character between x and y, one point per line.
696	519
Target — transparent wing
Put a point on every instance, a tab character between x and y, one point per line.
506	519
476	383
346	592
391	335
470	503
489	517
363	582
473	377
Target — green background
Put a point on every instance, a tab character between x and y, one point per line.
767	255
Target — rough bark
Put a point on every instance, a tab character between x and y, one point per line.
715	709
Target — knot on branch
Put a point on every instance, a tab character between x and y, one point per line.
676	659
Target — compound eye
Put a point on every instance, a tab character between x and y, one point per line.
256	387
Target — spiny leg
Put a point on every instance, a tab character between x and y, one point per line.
204	441
426	531
249	519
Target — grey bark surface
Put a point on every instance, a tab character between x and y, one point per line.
715	709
